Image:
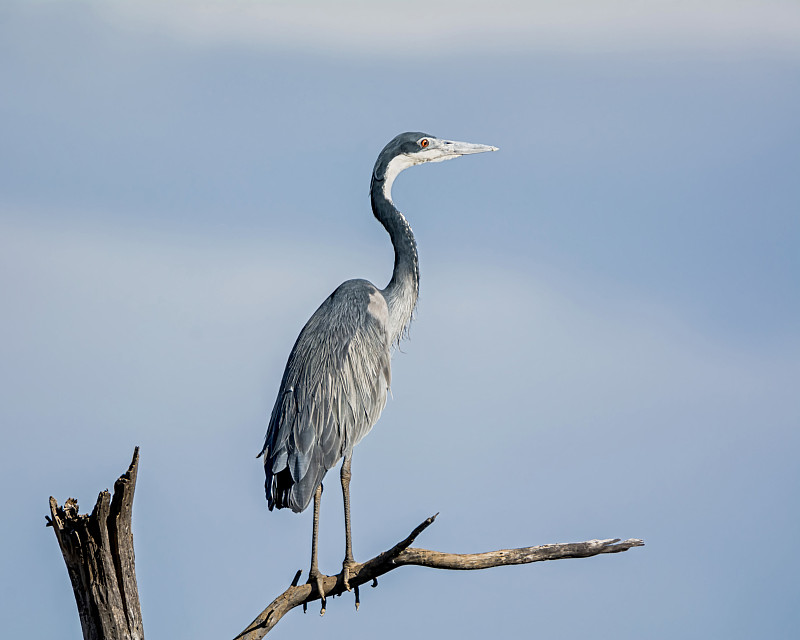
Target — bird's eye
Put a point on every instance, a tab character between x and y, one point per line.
424	142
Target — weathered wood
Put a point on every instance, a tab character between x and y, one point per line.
403	554
505	557
98	552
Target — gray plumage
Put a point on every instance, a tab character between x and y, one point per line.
332	392
334	387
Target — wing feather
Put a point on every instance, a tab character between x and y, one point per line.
332	392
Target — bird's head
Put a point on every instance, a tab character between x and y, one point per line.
414	147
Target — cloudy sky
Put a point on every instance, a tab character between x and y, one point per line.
607	342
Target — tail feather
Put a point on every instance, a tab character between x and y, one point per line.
284	491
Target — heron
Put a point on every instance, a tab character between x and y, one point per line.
338	372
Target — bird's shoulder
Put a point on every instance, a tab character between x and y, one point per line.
355	307
349	327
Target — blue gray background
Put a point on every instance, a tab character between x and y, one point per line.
606	343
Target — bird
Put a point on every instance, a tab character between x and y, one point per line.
338	373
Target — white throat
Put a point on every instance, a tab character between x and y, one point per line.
393	169
403	161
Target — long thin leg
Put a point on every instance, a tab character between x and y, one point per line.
314	576
349	561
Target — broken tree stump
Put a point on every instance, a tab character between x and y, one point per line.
98	552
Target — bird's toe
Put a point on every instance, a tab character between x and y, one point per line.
348	571
315	579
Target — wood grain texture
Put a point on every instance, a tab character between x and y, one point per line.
98	552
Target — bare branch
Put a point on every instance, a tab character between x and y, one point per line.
403	554
468	561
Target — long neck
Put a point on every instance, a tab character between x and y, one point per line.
402	291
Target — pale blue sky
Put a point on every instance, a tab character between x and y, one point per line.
606	344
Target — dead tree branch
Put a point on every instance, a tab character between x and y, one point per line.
402	554
98	551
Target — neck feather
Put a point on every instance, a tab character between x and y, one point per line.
402	291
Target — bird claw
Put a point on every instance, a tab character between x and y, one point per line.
315	580
347	568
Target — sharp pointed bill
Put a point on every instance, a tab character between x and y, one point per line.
446	149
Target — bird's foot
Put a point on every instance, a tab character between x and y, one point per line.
347	572
315	579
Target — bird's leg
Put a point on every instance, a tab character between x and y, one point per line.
349	562
314	576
